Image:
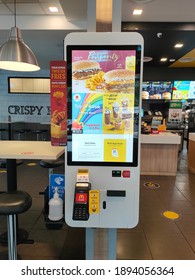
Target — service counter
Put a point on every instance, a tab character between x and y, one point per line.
159	153
191	152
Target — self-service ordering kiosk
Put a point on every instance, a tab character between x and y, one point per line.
102	171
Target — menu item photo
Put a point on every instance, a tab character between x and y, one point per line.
118	80
58	124
84	69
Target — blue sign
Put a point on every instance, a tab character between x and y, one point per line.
57	181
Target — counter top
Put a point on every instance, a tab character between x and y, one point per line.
29	150
191	136
161	138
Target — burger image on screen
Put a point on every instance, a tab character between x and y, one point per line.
145	95
166	95
119	80
84	69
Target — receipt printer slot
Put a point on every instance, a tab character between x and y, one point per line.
116	193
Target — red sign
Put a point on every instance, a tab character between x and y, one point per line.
58	98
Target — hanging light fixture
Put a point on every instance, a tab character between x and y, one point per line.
15	55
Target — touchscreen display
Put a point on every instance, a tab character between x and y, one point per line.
104	113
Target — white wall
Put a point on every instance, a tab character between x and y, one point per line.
23	107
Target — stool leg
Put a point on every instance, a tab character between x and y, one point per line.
12	239
50	171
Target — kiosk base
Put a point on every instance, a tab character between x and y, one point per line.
101	244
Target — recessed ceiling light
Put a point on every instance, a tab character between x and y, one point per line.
137	12
147	58
53	9
186	59
179	45
172	59
163	59
141	1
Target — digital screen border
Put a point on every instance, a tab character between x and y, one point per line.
137	92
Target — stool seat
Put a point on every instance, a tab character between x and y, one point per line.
39	133
27	131
11	204
51	163
14	202
2	130
3	163
19	132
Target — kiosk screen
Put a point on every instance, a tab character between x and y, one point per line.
104	96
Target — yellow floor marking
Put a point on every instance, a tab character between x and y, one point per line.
171	215
31	164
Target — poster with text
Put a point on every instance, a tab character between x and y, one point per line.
58	98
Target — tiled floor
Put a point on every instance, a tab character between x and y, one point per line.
155	237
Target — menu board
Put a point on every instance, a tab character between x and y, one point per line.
157	90
191	93
105	98
184	90
181	89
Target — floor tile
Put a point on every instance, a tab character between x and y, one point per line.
171	246
132	246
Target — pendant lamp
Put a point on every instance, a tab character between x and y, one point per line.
15	55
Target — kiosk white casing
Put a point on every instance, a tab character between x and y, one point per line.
120	211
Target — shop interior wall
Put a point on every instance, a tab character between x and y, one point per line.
31	108
168	74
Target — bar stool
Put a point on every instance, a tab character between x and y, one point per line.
11	204
3	163
19	134
2	132
51	164
27	131
39	134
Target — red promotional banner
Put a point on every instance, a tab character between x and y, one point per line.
58	99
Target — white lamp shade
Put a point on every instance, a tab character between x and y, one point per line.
15	55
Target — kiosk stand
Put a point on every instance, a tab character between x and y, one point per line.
102	172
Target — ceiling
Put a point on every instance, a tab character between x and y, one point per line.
163	23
